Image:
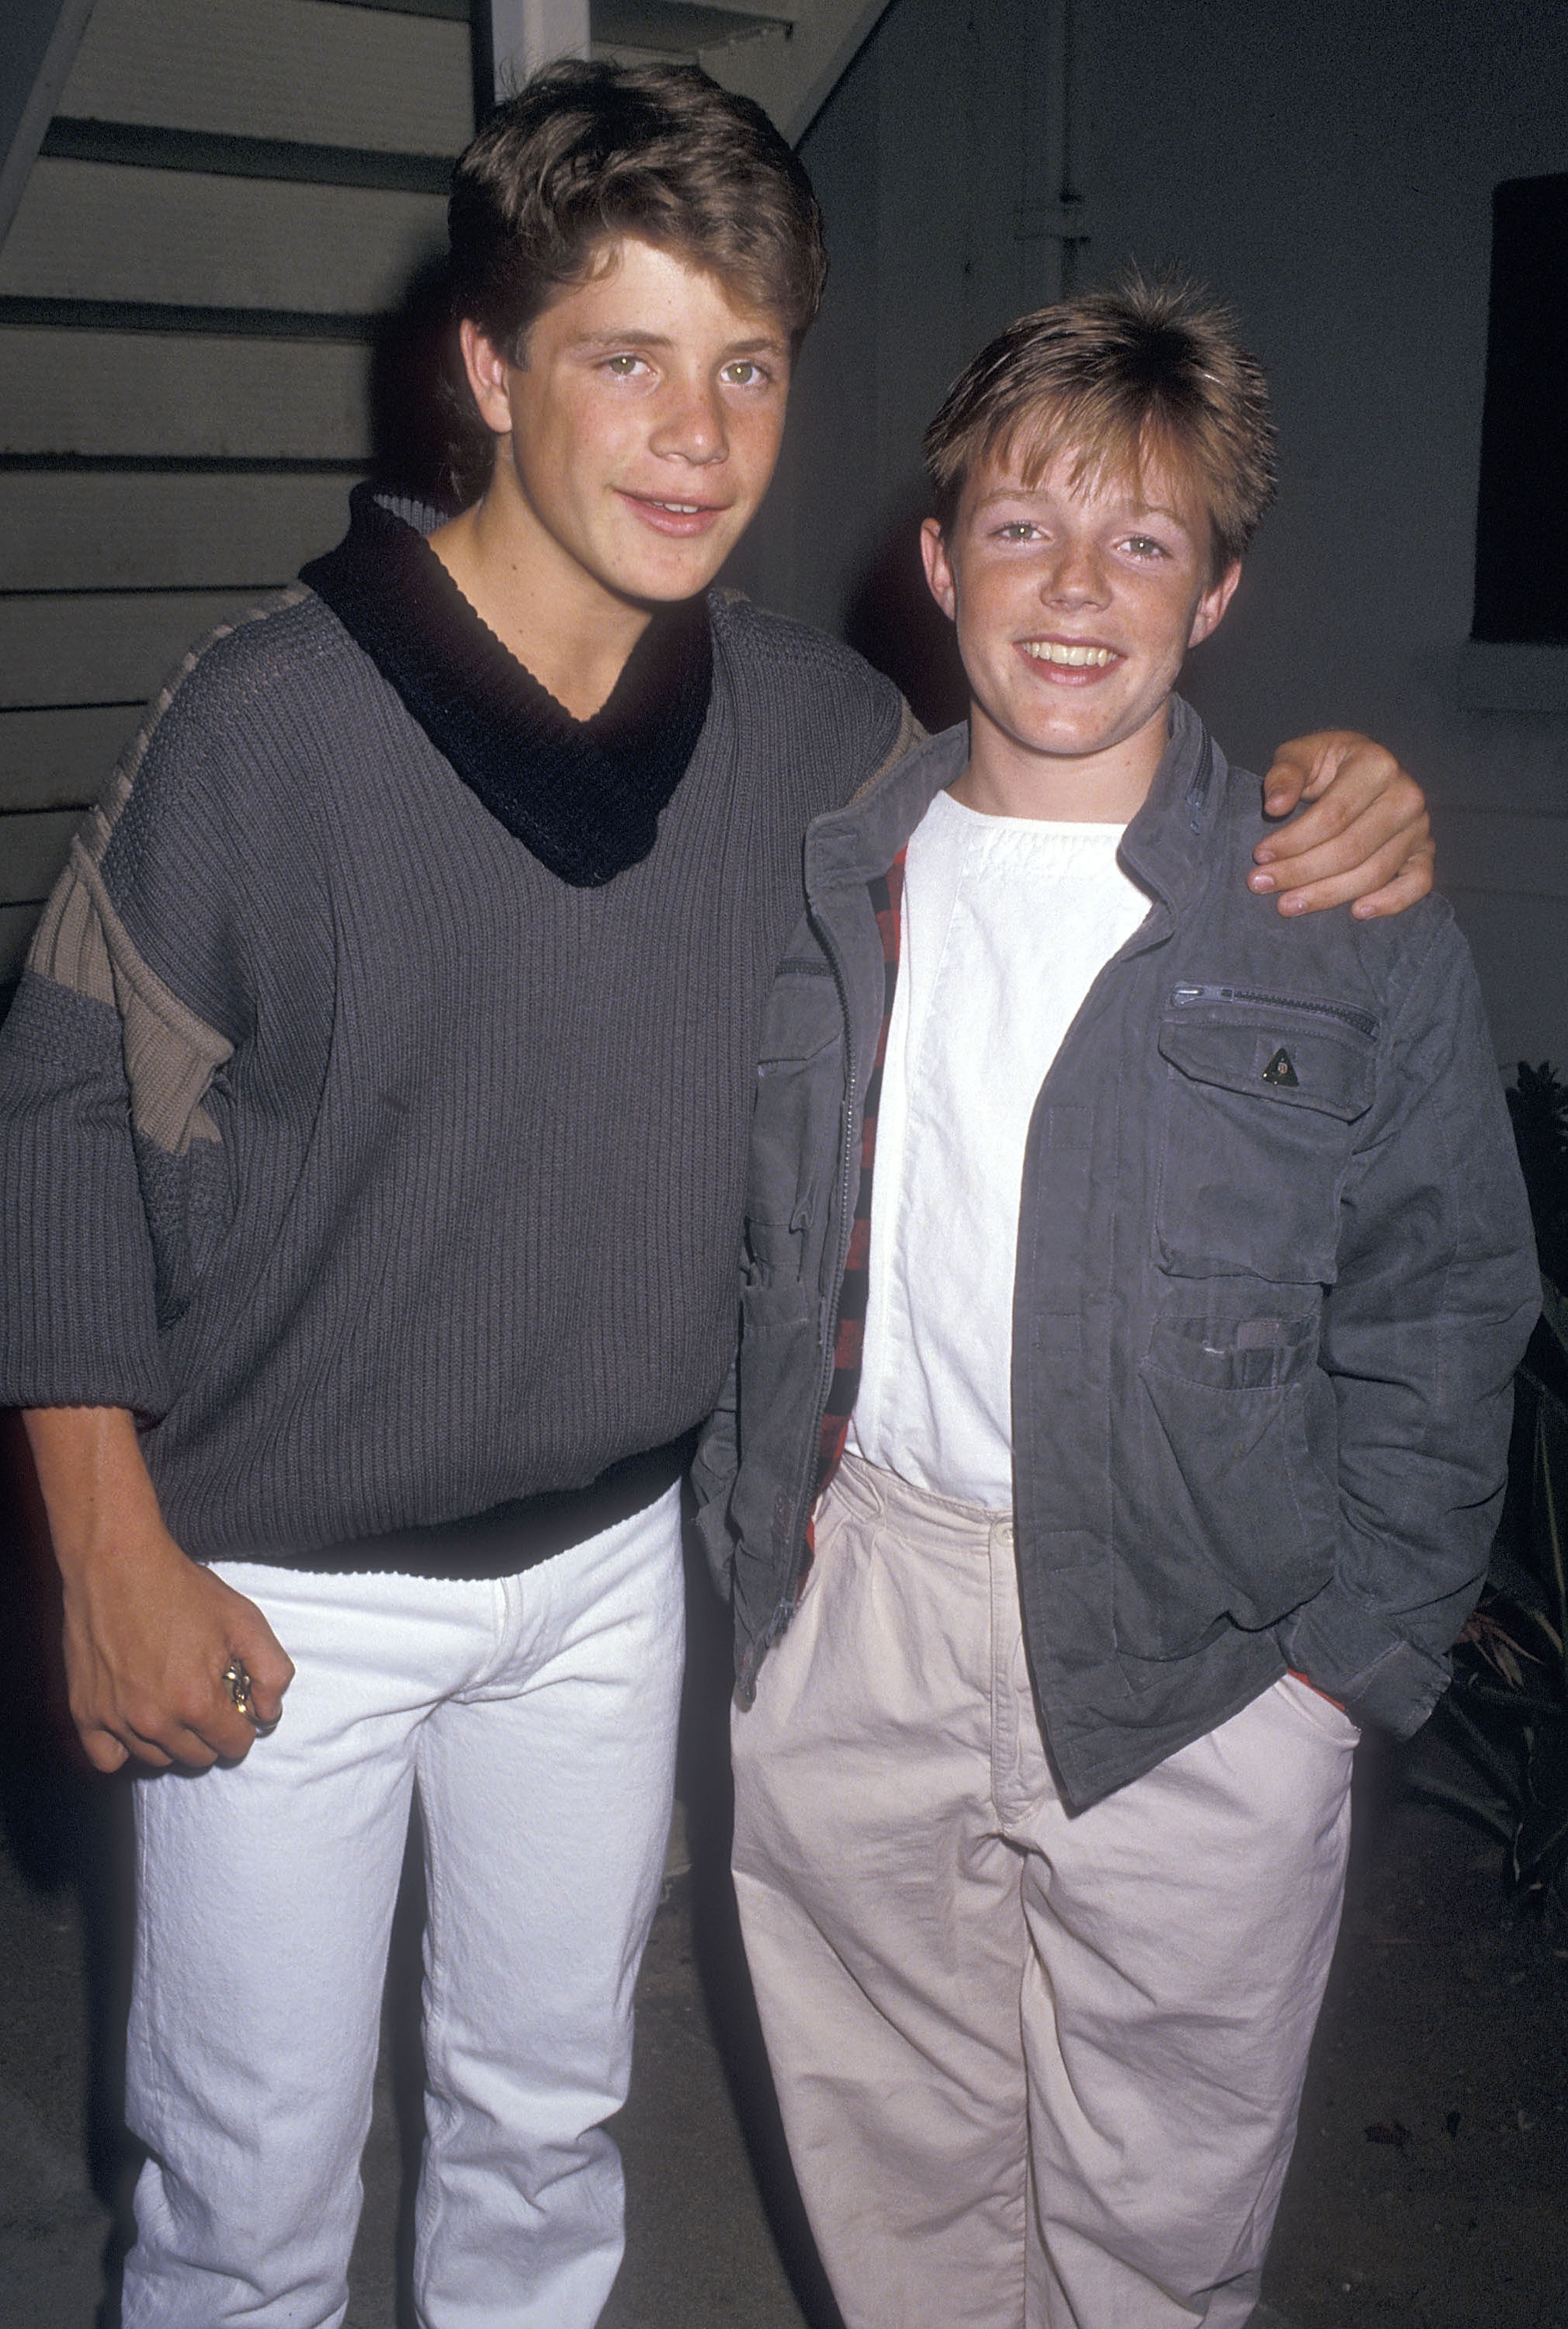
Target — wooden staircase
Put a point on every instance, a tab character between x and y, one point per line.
228	197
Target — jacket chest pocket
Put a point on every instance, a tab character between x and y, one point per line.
1262	1097
794	1132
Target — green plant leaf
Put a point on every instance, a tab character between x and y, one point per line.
1548	1765
1552	1504
1541	1845
1513	1581
1505	1776
1520	1705
1555	1313
1487	1809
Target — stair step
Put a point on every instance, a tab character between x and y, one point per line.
222	153
103	530
60	758
310	70
135	397
675	27
455	12
93	231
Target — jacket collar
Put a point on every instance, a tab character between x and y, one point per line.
583	796
853	845
1165	848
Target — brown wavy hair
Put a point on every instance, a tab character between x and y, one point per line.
585	153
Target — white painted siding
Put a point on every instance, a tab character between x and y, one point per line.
60	757
155	480
110	646
97	230
116	531
326	76
133	395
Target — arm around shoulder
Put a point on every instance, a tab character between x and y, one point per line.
1366	840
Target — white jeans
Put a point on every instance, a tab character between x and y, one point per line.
537	1716
1035	2072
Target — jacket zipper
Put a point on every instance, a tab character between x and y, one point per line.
1362	1021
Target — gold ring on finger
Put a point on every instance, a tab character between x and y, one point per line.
236	1679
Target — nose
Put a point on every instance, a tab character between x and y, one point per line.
690	425
1074	577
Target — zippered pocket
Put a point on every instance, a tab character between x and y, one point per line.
1346	1013
1260	1107
1299	1051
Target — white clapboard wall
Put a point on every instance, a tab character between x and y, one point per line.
229	196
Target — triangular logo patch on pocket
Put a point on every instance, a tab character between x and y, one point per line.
1281	1069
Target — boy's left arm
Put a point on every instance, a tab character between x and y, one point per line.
1437	1289
1365	841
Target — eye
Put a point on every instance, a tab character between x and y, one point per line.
1144	545
745	372
624	366
1018	529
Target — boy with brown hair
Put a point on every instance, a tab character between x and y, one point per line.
374	1109
374	1116
1134	1284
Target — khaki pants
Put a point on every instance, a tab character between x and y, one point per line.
1034	2069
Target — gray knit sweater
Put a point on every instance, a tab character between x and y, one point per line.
384	1173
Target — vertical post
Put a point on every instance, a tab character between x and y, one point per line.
1074	232
1052	212
525	34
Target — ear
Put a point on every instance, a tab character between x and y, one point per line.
938	566
488	370
1211	607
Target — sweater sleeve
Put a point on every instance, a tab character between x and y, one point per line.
1436	1293
110	1154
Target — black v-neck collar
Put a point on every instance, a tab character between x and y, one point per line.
584	796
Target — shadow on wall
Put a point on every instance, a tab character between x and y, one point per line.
703	1785
426	438
893	620
65	1828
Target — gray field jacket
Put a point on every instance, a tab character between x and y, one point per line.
1275	1273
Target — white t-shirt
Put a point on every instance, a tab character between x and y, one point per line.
1006	923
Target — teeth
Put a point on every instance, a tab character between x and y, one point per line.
1076	658
681	509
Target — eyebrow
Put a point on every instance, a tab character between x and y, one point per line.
1034	494
763	344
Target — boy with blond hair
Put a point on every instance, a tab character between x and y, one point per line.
1134	1286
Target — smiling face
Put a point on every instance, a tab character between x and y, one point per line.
1075	604
638	436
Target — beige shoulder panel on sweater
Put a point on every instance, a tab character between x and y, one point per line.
171	1054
